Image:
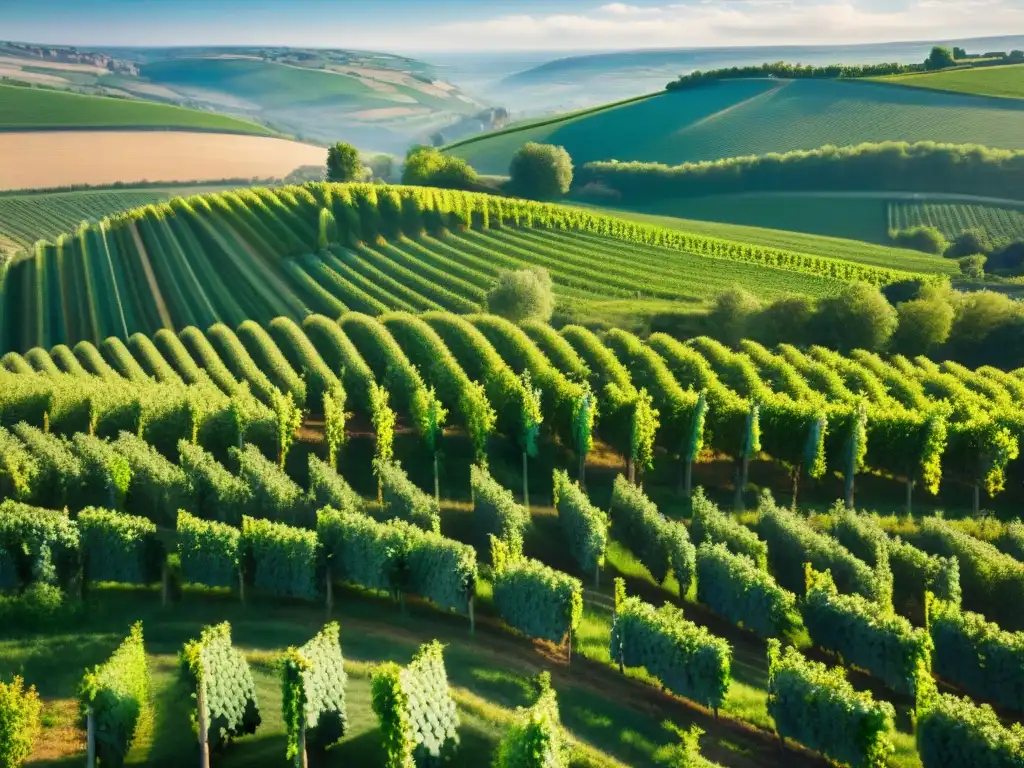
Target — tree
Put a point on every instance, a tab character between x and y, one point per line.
382	168
940	58
959	53
903	290
973	266
858	318
541	171
923	325
427	167
730	317
343	163
437	139
786	320
526	294
926	239
1008	257
968	243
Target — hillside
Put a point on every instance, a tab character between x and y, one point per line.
23	109
746	117
1005	81
256	254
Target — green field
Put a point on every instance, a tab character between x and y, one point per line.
953	218
257	254
1005	81
24	219
750	117
27	109
783	226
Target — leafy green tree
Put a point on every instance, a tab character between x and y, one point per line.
525	294
731	315
382	168
940	58
858	318
428	167
925	239
541	171
786	320
343	163
923	325
968	243
973	266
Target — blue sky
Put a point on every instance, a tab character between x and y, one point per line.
472	25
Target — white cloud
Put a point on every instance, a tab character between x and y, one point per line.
705	23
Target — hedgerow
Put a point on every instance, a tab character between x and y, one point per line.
662	545
533	598
418	719
275	496
818	708
687	659
584	525
216	493
158	488
19	469
403	500
863	634
115	693
279	559
735	588
60	471
119	547
36	546
327	488
536	738
221	678
313	692
106	474
495	511
710	525
208	551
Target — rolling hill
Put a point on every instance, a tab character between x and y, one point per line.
1003	81
746	117
26	109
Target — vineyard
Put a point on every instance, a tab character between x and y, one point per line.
121	437
953	218
258	253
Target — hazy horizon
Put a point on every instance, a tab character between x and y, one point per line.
558	27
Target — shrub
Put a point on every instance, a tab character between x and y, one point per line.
20	722
40	606
59	482
862	634
541	171
923	324
19	469
36	546
418	719
584	525
973	266
120	548
968	243
428	167
977	656
661	545
732	315
710	524
116	691
279	559
211	665
158	488
106	474
275	496
495	511
733	587
208	551
536	739
926	239
313	691
817	707
403	500
792	542
216	493
533	598
858	317
327	488
521	295
687	659
343	163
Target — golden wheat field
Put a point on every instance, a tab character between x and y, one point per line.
36	159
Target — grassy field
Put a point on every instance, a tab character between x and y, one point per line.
23	109
49	159
1006	81
748	117
747	223
24	219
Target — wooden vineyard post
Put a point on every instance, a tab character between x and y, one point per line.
204	744
472	618
302	759
977	498
90	737
688	478
164	587
597	577
910	495
526	485
437	482
849	489
568	650
241	586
